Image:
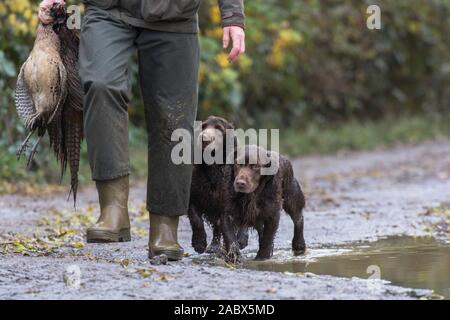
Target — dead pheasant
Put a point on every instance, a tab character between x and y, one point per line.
49	95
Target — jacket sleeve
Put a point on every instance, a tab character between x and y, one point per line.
232	12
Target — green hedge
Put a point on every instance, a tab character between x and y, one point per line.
307	61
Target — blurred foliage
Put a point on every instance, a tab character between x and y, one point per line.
18	22
316	61
310	65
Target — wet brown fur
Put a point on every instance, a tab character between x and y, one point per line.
211	191
261	208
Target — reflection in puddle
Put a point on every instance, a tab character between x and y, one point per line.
411	262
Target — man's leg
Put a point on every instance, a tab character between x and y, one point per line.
106	47
168	65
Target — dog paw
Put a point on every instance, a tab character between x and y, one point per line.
214	248
199	245
299	250
263	255
234	254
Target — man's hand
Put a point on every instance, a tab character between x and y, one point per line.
237	36
44	9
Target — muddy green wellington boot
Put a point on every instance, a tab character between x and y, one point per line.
114	223
164	237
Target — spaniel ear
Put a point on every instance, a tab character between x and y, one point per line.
265	179
271	164
267	170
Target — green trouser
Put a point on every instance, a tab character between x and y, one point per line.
168	72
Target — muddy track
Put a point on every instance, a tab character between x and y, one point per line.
350	197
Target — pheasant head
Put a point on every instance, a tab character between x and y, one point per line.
53	12
59	14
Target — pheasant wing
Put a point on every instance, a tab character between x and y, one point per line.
24	103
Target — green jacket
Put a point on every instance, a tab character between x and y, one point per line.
169	15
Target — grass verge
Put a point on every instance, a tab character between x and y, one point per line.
354	135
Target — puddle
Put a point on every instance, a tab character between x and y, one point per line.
411	262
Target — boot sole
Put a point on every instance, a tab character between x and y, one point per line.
104	236
171	255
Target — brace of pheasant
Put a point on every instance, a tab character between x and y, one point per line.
48	91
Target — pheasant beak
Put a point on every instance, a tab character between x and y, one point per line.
45	15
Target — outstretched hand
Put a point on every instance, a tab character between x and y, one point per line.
237	36
44	8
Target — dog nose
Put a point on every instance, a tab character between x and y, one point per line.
240	183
